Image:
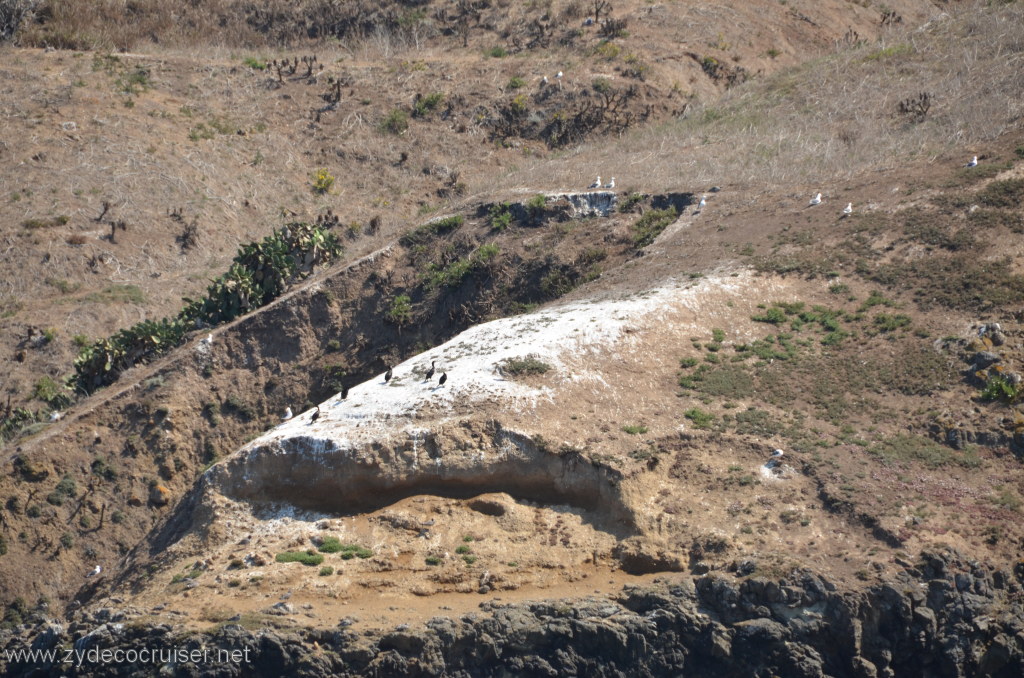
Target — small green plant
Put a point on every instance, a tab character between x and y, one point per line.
500	216
254	63
630	201
634	429
468	538
774	315
688	362
889	323
497	52
528	365
718	335
400	310
515	83
700	418
432	560
66	540
650	225
535	207
424	106
52	393
396	122
431	229
326	571
322	181
463	549
998	387
308	558
117	517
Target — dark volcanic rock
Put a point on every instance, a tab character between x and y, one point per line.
942	618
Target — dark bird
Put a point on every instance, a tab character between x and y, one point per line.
444	378
316	415
387	375
344	392
430	372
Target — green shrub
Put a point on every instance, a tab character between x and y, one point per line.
889	323
431	229
400	310
650	225
253	62
500	216
773	315
117	517
634	429
326	571
52	393
527	365
432	560
699	418
908	448
497	52
998	387
322	181
308	558
515	83
260	272
426	105
66	540
463	549
396	122
688	362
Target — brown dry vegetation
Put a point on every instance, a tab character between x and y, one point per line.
864	391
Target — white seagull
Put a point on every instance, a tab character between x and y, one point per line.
702	203
610	184
973	162
816	200
849	209
56	416
287	414
777	453
208	340
559	75
95	571
544	80
597	182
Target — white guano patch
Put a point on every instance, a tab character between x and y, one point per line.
562	336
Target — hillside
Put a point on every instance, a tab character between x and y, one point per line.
623	365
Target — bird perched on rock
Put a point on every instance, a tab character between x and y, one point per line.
610	184
597	182
777	453
544	80
388	374
316	415
973	162
208	340
287	414
56	416
848	210
430	372
703	203
444	378
816	200
558	75
95	571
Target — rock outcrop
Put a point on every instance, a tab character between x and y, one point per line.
944	617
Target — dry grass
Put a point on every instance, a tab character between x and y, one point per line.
834	117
